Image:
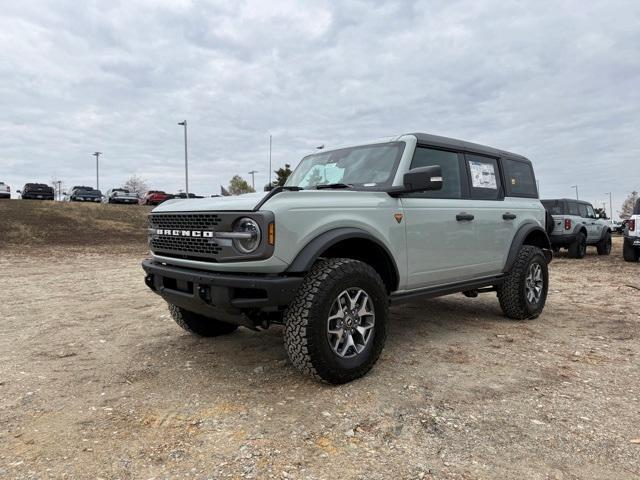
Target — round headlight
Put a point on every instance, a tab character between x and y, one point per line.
252	238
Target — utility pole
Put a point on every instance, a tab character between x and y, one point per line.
253	179
610	206
97	155
270	141
576	187
186	161
59	182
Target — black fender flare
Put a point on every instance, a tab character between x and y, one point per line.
578	227
518	240
306	257
604	232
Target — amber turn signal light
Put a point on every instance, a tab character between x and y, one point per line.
271	234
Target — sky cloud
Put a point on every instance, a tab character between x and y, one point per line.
555	81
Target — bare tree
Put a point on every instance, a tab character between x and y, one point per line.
627	206
136	184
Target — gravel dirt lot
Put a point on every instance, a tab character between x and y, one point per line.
96	381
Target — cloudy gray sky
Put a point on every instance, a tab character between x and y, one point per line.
557	81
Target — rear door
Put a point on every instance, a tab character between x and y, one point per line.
441	243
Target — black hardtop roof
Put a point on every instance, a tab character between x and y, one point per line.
36	185
444	142
565	200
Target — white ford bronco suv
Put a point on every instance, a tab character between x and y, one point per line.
576	226
631	247
352	231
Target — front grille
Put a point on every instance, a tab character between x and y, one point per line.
185	247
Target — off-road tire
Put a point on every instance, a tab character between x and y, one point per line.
604	245
305	331
199	324
511	293
629	252
578	249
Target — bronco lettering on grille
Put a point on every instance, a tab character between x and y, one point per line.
185	233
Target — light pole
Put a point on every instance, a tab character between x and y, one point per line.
270	141
610	206
576	187
186	161
253	178
97	155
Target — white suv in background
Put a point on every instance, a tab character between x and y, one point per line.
5	190
631	247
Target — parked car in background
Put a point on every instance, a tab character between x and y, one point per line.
5	190
631	247
616	226
120	195
36	191
83	194
576	226
154	197
184	195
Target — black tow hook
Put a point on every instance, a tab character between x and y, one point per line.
149	281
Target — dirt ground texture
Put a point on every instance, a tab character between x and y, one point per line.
96	381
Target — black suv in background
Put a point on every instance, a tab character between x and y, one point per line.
36	191
84	194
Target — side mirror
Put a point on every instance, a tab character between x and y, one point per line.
420	180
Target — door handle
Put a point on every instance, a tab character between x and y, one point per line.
509	216
462	216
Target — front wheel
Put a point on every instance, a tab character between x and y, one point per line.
199	324
524	291
335	327
604	245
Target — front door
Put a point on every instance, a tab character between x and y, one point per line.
441	243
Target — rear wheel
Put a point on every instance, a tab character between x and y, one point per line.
524	291
335	328
630	253
578	249
604	245
199	324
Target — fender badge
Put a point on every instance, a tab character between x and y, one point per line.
398	217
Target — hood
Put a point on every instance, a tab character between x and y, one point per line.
238	203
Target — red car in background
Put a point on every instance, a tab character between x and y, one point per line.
154	197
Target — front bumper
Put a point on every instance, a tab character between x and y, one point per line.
219	295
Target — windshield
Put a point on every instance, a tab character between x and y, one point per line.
367	166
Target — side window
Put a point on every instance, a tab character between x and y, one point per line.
590	212
573	208
582	208
448	161
519	178
484	177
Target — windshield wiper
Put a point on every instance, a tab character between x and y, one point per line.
333	185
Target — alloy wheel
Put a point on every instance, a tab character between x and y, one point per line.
534	283
351	322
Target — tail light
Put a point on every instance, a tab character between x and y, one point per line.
567	224
632	225
8	188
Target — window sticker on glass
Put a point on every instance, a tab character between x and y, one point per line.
483	175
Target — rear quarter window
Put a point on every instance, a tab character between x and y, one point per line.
554	206
519	177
